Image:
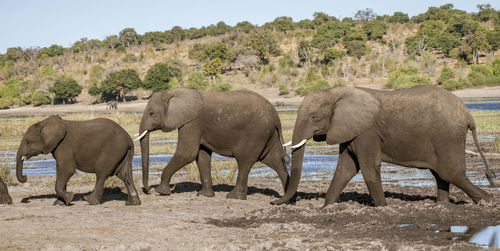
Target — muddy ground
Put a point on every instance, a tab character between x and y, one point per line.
185	221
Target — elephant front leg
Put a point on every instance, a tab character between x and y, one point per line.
62	177
203	163
346	169
178	161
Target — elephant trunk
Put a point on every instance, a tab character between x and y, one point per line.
19	165
145	159
297	159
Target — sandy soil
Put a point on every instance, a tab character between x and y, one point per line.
270	94
185	221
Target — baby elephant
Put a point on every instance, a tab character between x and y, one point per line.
97	146
112	105
4	194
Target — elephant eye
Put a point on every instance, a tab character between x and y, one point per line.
315	118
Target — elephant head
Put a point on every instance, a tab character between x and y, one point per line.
336	115
42	137
167	110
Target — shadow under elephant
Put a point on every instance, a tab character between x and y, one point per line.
187	187
109	194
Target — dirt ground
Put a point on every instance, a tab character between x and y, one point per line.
185	221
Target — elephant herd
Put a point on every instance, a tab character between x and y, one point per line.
423	127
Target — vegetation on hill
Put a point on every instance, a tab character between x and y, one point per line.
443	46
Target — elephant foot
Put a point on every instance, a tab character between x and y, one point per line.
91	199
236	195
59	202
67	198
133	201
5	199
206	192
163	190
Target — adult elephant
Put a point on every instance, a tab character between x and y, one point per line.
98	146
4	194
239	124
422	127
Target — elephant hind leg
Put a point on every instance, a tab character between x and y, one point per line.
274	159
94	198
443	188
127	177
241	188
475	193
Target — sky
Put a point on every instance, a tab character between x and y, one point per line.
31	23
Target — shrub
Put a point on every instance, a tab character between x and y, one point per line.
5	103
332	54
483	75
406	78
40	97
158	77
453	84
197	80
224	87
129	58
283	89
312	86
446	74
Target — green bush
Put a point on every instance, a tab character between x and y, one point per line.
5	103
224	87
332	54
197	80
158	77
129	58
446	74
406	78
312	86
483	75
283	89
40	97
453	84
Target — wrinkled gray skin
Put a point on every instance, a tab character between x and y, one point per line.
4	194
239	124
98	146
422	127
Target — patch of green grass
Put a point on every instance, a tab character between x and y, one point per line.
487	121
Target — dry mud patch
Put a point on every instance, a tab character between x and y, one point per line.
185	221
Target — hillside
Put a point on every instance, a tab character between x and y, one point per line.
444	46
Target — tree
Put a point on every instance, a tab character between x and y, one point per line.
365	15
375	29
329	33
264	44
14	53
129	37
446	74
399	17
305	52
472	44
52	51
119	83
332	54
244	26
283	24
65	89
158	77
493	38
321	18
213	68
357	48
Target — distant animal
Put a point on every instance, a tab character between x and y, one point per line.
98	146
112	105
239	124
4	194
280	104
423	127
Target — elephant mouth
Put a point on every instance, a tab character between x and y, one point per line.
319	136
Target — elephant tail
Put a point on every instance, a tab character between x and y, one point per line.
489	174
127	160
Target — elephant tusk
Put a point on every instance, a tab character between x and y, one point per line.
287	143
23	158
299	144
142	135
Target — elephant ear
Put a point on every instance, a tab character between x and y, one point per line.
52	133
353	113
182	107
